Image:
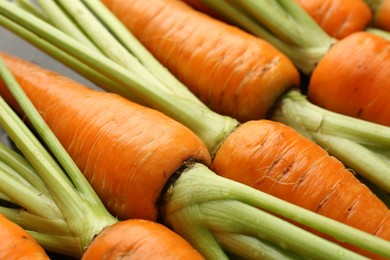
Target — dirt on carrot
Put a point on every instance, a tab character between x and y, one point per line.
353	78
146	146
274	158
233	72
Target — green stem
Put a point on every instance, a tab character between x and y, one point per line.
31	8
251	248
359	144
199	186
22	167
58	18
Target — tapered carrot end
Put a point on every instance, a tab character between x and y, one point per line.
17	243
353	78
139	239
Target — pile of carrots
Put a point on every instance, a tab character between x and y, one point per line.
237	99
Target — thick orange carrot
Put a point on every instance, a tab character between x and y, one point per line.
146	145
353	78
233	72
339	18
17	243
162	243
278	161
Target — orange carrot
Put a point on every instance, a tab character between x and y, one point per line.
17	243
161	242
237	74
280	162
381	9
353	79
143	153
339	18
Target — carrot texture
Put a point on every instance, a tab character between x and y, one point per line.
339	18
353	78
160	242
99	128
231	71
382	18
274	158
17	244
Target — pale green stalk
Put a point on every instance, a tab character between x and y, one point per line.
251	248
31	8
59	19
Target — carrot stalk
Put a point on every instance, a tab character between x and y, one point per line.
132	86
31	8
61	20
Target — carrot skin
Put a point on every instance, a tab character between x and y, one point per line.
353	78
231	71
144	240
382	18
339	18
274	158
17	243
99	128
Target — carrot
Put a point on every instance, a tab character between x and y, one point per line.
339	18
141	145
64	214
380	9
161	244
356	80
219	195
288	166
17	243
239	74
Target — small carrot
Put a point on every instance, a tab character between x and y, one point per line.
238	74
339	18
283	163
355	74
17	243
178	206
